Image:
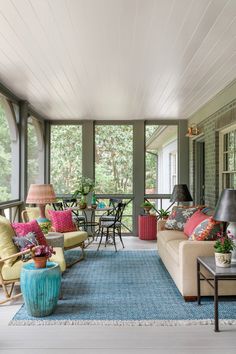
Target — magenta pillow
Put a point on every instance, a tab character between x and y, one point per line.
22	229
193	222
62	220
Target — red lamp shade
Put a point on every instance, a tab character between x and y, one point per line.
41	194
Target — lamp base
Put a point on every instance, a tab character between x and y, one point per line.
232	229
45	224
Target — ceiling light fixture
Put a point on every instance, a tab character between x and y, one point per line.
192	131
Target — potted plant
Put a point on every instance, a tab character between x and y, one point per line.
163	214
85	185
223	247
41	254
147	206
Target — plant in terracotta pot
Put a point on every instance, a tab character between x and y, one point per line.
41	254
163	214
223	250
147	206
85	186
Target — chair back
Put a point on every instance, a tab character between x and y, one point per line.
114	202
58	206
119	211
69	202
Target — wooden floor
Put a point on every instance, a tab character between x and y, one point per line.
113	340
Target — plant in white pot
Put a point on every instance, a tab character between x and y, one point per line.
223	250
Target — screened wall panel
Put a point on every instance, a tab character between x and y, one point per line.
114	159
161	159
65	157
9	153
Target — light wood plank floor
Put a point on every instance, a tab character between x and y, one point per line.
113	340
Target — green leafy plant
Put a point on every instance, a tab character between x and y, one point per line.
163	214
85	185
146	204
224	244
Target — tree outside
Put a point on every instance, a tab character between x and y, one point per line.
66	157
114	159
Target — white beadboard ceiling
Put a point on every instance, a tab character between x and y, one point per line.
117	59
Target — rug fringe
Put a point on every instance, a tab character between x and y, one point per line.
162	323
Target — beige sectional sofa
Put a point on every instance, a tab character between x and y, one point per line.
179	256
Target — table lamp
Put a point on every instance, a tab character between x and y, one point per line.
181	193
41	194
226	211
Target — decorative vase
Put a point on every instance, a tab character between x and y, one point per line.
93	206
223	259
40	262
40	288
83	202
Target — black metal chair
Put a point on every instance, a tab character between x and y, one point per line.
111	228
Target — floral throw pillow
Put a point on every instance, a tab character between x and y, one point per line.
207	230
179	217
24	242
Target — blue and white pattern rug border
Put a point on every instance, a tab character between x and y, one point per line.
104	275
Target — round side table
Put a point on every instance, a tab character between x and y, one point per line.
40	288
55	239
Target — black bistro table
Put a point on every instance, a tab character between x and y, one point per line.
217	273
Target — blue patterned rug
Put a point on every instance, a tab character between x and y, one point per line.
125	288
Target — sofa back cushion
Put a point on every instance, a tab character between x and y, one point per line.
34	212
22	229
207	230
179	217
7	247
62	220
193	222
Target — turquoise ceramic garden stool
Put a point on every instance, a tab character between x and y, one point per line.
40	288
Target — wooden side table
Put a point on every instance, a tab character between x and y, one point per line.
147	226
217	274
55	239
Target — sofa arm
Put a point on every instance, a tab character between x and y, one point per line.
2	260
188	253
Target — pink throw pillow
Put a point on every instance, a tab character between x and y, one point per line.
193	222
62	220
22	229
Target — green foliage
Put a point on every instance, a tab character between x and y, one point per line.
151	161
66	157
163	213
224	245
146	204
114	159
5	158
84	186
33	155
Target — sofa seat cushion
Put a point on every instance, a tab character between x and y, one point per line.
74	238
173	249
13	272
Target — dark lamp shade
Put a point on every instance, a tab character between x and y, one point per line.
226	206
181	194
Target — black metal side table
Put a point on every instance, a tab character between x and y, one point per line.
217	273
